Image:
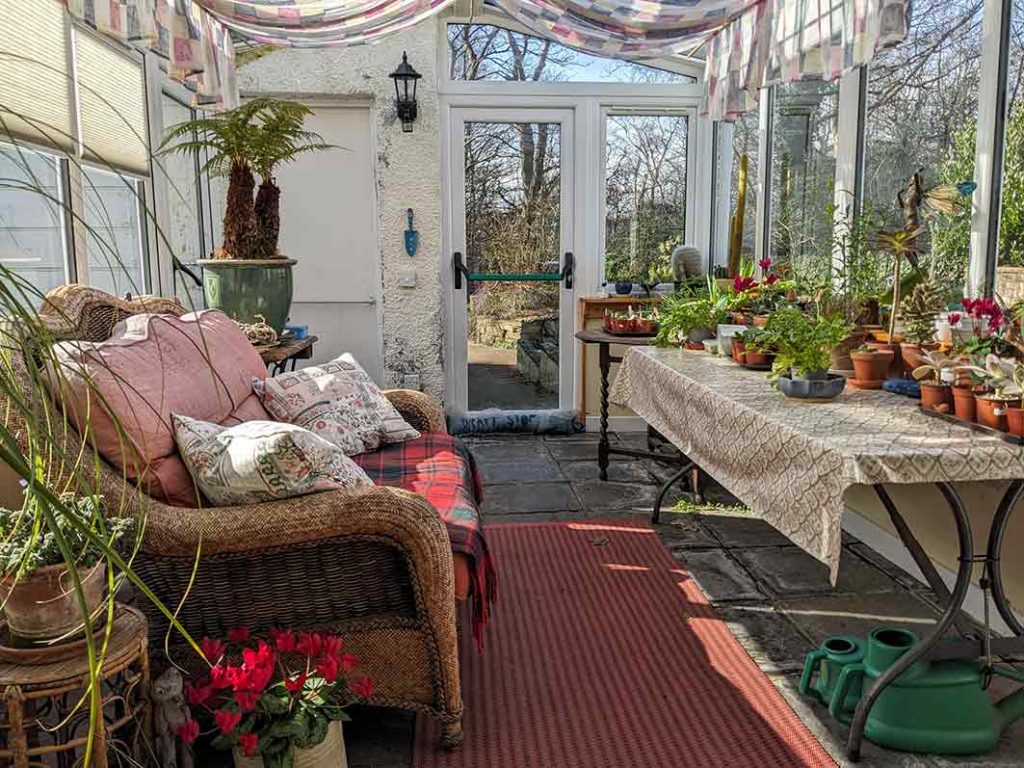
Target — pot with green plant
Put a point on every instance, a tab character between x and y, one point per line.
803	345
40	603
691	319
870	366
760	348
918	314
247	276
932	377
1001	391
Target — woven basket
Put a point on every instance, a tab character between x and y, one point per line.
329	753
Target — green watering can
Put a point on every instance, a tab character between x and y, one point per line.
939	707
823	668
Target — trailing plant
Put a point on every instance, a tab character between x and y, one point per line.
803	342
282	695
682	313
920	310
26	546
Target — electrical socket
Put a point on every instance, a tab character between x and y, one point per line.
411	381
407	278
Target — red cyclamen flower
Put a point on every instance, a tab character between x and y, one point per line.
227	720
284	640
349	661
198	695
954	318
221	677
247	700
328	668
212	649
294	684
247	742
772	279
238	635
311	644
188	731
741	284
765	264
363	687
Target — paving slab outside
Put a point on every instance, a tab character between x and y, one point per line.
775	598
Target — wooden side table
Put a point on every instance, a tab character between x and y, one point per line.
39	722
277	358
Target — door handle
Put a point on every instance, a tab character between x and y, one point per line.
567	269
459	269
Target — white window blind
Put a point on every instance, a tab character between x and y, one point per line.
112	105
35	86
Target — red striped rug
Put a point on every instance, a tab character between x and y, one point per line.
603	652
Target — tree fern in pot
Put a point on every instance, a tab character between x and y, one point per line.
247	276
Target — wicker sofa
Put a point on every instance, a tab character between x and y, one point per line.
374	564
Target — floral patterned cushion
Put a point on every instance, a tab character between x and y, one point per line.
261	460
337	401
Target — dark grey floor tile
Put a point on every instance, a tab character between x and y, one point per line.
821	616
718	575
576	450
600	494
685	532
618	471
788	570
520	498
771	639
524	470
738	529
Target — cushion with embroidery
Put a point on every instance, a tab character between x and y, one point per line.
261	460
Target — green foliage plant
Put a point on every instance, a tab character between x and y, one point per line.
683	312
919	312
803	342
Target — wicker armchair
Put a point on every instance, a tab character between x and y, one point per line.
374	564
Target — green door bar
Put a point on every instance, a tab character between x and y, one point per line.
513	277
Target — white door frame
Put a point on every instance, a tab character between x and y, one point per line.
457	373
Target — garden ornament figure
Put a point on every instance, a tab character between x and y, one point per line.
170	713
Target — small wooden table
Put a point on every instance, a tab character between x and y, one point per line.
604	340
39	698
291	351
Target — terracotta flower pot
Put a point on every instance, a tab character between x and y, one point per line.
759	358
871	368
935	397
329	753
963	403
1015	421
840	354
760	320
896	364
42	606
913	355
738	350
991	411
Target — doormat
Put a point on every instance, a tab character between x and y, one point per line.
604	652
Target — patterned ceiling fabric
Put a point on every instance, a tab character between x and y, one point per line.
792	462
626	28
320	23
198	48
782	41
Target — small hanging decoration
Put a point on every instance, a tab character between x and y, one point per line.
259	334
412	237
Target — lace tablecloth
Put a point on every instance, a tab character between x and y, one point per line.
792	461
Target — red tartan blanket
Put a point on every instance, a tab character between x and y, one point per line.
441	468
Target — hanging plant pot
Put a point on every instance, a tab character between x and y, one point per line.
245	288
42	606
329	753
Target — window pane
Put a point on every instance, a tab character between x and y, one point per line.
485	52
1010	268
184	237
804	124
645	195
921	105
32	222
113	232
744	145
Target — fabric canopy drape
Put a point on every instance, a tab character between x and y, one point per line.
320	23
782	41
198	48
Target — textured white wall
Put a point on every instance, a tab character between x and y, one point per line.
408	175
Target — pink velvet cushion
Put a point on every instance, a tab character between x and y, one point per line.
125	389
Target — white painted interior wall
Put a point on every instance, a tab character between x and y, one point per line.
406	173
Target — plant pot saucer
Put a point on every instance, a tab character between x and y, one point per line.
866	384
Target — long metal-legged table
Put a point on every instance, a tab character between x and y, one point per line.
605	449
929	647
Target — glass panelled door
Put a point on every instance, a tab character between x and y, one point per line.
512	261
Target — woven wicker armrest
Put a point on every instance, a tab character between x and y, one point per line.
419	409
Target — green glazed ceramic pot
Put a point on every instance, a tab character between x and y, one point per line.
243	289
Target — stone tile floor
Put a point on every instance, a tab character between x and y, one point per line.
775	598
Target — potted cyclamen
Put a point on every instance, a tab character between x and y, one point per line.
40	601
281	703
247	276
931	377
870	366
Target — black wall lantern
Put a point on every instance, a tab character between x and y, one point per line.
405	78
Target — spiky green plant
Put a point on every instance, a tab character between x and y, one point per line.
920	310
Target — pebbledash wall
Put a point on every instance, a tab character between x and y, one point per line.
408	175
